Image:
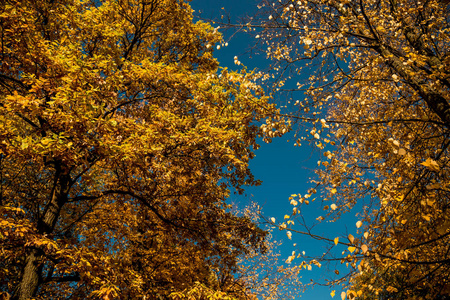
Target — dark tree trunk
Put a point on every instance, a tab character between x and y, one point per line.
30	277
32	271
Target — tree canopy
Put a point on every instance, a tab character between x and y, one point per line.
376	105
120	140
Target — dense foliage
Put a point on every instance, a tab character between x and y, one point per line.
120	140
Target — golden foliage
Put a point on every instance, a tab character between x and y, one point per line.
120	140
376	84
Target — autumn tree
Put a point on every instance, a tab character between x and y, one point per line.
370	83
120	140
258	276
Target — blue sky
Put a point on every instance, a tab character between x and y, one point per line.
283	168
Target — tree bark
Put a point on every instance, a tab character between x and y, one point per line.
30	277
32	271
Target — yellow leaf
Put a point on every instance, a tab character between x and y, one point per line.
400	198
358	224
333	292
24	145
351	238
343	295
364	249
391	289
45	141
430	202
377	257
286	217
431	164
336	241
351	249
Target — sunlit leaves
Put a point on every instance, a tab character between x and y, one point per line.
120	140
376	73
